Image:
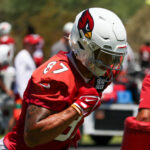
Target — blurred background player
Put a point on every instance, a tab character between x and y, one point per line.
63	43
38	55
64	90
145	56
24	65
7	79
129	61
5	38
24	62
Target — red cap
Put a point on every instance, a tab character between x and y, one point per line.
32	39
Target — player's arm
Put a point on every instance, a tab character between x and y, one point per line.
143	115
144	106
43	125
5	89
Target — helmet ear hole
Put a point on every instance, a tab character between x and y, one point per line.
80	45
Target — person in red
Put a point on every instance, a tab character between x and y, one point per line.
7	41
144	106
137	129
68	87
38	54
145	55
5	68
23	74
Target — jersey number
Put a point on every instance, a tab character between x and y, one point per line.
64	137
50	66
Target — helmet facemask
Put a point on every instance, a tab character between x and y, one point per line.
106	60
96	59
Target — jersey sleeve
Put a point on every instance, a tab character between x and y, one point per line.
52	86
145	93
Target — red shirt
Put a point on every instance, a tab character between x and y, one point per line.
145	93
54	85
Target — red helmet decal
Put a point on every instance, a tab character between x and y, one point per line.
86	24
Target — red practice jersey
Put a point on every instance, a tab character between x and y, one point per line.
145	93
54	85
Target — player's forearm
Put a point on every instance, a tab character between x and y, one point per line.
48	129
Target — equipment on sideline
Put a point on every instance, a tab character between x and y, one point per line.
136	135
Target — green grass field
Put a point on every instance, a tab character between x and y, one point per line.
86	139
1	136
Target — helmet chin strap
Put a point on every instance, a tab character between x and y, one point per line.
98	72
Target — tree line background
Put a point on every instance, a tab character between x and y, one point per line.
49	16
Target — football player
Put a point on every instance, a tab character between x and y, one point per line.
65	89
24	65
6	69
7	79
137	129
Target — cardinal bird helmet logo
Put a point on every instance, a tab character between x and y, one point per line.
86	24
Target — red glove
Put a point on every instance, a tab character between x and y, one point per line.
87	101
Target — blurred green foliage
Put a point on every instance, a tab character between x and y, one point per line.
49	16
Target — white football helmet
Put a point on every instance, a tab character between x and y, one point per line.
5	28
68	27
5	55
98	40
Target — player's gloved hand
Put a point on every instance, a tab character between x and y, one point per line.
87	101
